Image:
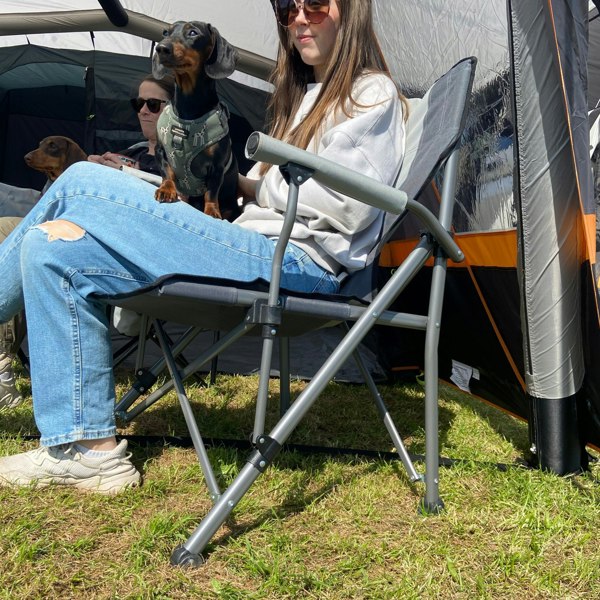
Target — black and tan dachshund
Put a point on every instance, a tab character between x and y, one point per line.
54	154
194	147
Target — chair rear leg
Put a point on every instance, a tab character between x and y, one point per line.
263	387
284	375
388	422
214	363
432	502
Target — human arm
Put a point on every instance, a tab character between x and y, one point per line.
246	189
136	161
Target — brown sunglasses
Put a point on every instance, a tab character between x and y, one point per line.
286	11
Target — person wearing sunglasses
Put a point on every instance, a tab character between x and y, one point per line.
153	96
333	96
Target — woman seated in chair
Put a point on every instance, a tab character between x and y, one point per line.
98	232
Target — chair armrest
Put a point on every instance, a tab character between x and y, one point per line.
264	148
261	147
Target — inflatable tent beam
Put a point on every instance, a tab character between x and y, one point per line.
96	20
550	193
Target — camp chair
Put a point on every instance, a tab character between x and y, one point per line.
434	128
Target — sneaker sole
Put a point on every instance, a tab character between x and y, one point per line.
12	403
96	484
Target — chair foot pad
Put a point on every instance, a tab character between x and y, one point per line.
182	557
431	508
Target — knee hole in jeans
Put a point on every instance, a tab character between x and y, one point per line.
62	230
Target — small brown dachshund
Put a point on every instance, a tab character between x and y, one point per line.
54	154
194	147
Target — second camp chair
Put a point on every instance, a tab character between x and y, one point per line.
434	128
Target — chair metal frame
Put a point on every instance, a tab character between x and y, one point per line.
274	312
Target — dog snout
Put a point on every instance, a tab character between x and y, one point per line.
164	49
28	158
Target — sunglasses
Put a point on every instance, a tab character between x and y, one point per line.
153	104
286	11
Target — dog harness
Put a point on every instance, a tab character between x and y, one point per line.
184	139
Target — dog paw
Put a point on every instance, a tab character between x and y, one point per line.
212	211
166	193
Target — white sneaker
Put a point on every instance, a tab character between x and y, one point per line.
10	397
66	465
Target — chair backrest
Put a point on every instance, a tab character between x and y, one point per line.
433	129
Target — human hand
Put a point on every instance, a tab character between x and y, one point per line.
246	189
110	159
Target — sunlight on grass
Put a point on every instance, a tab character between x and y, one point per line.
315	525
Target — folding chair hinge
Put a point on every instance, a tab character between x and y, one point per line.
266	449
428	235
145	379
296	173
432	240
261	313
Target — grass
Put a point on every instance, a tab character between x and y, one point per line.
314	525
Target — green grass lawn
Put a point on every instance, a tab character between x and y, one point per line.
314	525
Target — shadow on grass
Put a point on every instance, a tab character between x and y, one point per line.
343	419
301	494
510	427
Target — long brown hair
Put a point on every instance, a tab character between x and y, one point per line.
356	51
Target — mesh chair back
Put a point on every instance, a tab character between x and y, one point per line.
433	129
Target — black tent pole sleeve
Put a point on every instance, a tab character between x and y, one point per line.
115	12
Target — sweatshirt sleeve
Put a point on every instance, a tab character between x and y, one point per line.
370	142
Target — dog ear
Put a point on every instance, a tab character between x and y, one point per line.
74	153
221	63
158	71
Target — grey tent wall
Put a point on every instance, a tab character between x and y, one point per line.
549	208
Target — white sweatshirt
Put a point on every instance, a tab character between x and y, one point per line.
337	231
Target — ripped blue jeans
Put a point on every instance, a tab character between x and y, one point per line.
124	240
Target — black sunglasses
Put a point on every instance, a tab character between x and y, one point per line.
153	104
286	11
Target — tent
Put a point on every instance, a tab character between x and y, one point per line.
521	322
76	81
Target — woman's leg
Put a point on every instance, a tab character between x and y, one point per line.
120	212
12	334
112	237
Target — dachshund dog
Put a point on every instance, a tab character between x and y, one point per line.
194	147
54	154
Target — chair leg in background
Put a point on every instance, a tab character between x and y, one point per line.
284	375
432	502
388	422
146	378
211	480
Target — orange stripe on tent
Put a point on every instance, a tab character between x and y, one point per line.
589	224
589	232
487	249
